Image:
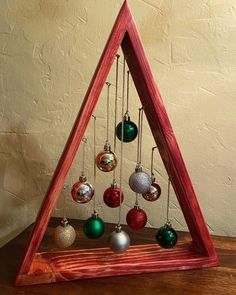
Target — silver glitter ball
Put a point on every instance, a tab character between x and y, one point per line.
139	181
119	240
82	191
64	234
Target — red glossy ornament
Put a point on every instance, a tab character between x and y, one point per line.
82	191
111	196
136	218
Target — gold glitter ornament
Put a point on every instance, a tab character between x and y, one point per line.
64	234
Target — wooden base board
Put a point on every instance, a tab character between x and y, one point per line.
49	267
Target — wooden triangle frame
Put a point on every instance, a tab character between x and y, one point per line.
37	268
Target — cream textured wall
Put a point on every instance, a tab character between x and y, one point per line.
48	53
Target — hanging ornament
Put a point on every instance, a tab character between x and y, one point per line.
64	234
82	191
130	130
136	218
106	160
119	240
112	195
154	191
166	236
94	227
139	181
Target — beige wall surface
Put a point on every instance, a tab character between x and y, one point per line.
48	52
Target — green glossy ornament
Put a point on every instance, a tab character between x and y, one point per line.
94	227
130	130
166	236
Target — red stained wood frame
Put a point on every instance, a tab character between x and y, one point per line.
102	262
125	33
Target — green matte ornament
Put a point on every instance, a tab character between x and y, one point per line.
166	236
94	227
130	130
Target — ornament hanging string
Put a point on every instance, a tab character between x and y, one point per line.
127	107
140	136
108	104
64	206
122	140
84	152
168	201
94	162
116	102
152	156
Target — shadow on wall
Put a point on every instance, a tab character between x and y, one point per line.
24	178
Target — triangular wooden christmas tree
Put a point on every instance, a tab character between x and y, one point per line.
39	268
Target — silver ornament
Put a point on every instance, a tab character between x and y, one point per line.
82	191
119	240
139	181
64	234
153	193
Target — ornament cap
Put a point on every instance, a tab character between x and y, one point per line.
136	206
114	184
82	178
107	147
95	215
138	168
64	222
153	178
118	228
127	117
168	224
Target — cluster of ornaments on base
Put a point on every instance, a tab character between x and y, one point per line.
82	191
94	227
166	236
119	240
113	195
130	130
139	181
153	192
64	234
106	160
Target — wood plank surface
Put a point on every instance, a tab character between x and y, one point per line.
50	267
207	281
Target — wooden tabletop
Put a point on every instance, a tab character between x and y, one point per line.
209	281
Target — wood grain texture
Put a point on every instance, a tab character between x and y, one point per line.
205	281
125	33
102	262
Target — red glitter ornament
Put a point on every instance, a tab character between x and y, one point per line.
136	218
112	196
